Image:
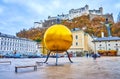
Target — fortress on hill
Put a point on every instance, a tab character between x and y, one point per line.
73	13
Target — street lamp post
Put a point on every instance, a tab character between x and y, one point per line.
94	47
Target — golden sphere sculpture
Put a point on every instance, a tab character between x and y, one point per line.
58	38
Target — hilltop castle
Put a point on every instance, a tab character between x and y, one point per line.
73	13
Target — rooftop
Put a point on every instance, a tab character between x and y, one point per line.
106	39
12	36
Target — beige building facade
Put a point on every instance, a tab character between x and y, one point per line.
82	42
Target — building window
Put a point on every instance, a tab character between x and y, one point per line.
76	43
76	36
1	43
116	49
4	43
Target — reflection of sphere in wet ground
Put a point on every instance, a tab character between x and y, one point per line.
58	38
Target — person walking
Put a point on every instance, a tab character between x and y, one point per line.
94	56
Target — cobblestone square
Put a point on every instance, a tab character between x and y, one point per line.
82	68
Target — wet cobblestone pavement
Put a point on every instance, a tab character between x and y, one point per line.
82	68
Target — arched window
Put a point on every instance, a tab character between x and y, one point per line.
76	37
76	43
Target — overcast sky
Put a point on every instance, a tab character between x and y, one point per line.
18	14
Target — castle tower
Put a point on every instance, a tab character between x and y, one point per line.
86	7
101	10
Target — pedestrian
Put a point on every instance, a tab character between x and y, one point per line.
87	55
94	56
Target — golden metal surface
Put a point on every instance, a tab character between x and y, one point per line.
58	38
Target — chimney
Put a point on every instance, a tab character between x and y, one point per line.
102	34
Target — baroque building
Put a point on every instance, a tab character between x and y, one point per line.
11	44
107	43
82	42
